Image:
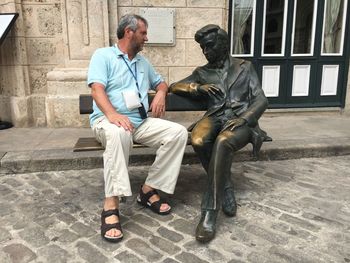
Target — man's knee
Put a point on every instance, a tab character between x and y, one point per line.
115	134
182	133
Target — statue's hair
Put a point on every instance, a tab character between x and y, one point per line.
222	34
129	21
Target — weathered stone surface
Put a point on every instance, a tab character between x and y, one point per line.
205	3
55	216
89	253
162	3
179	73
143	249
189	20
35	236
54	253
166	56
19	253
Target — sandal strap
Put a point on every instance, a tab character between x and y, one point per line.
107	227
146	196
108	213
156	205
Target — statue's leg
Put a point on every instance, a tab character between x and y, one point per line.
219	175
227	143
203	137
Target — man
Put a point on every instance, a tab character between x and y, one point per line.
235	103
119	79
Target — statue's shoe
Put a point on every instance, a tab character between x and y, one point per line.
205	230
229	205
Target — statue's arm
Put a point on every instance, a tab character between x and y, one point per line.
258	101
187	86
184	89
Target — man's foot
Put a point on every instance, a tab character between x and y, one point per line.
229	205
149	197
205	230
110	225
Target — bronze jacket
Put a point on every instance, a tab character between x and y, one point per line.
240	86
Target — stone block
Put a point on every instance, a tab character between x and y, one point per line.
206	3
13	51
67	82
160	3
42	20
19	253
19	111
142	248
189	20
178	73
194	54
14	80
41	51
37	108
166	56
5	108
90	253
124	2
164	72
63	111
37	78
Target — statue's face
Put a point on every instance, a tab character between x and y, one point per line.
213	48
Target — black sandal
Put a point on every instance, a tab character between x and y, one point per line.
143	199
106	227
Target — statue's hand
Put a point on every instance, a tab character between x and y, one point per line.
211	90
234	123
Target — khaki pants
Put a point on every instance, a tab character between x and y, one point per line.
169	137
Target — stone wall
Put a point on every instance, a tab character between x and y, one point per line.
44	59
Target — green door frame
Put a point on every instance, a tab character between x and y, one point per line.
287	62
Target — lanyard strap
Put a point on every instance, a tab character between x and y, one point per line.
134	75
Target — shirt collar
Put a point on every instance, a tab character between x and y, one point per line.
120	53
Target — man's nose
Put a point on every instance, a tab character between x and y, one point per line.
145	38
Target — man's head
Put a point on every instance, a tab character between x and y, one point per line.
134	29
213	41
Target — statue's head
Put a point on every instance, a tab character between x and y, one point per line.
213	41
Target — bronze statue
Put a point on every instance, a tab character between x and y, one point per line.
235	103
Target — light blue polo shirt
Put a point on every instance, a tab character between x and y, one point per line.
108	68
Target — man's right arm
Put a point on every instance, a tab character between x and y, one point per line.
103	103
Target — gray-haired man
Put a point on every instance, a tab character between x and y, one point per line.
119	79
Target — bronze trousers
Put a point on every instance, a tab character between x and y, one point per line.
215	149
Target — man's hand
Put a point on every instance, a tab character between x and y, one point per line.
158	104
121	121
234	124
211	90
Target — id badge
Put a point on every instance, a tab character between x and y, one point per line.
131	99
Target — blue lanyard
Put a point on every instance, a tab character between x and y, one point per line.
132	73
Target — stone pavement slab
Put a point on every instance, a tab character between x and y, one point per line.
289	211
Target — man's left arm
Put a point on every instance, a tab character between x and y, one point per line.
158	103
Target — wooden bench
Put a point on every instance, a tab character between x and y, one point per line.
173	103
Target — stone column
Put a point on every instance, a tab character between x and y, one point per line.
85	28
14	78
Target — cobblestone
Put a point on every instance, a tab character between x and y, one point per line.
289	211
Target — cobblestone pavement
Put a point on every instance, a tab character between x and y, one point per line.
289	211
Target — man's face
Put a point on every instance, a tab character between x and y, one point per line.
139	37
212	47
